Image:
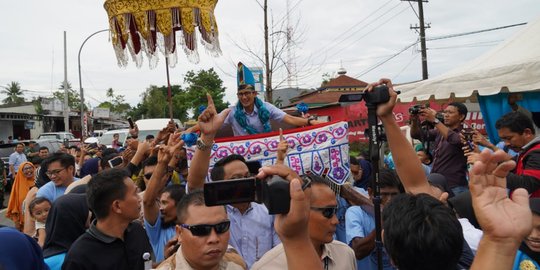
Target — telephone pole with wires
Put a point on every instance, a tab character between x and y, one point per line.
422	27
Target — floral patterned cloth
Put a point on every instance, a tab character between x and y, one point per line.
319	150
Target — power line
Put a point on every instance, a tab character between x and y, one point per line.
355	25
371	31
475	32
417	16
386	60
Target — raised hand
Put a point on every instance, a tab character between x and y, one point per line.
282	148
385	109
209	120
502	219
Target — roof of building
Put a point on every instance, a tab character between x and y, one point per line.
344	81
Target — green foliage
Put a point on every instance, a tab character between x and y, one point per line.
116	103
154	102
13	92
74	98
205	81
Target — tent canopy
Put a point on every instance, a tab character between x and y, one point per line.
513	65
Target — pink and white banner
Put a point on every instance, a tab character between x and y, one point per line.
316	149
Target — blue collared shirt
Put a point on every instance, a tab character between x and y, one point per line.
252	119
252	233
159	236
359	224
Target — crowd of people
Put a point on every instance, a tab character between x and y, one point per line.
449	204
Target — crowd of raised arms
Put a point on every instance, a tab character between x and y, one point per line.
456	201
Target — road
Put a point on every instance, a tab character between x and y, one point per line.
3	220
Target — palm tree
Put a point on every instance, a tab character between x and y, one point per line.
14	93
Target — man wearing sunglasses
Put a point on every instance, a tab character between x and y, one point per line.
204	234
252	232
321	227
360	225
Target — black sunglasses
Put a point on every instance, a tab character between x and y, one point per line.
327	212
205	229
148	175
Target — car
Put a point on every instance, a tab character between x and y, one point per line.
60	136
107	137
153	126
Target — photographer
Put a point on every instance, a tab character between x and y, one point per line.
448	156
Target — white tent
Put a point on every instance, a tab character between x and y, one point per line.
513	64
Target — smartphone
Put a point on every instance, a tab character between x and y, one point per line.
113	162
230	191
131	124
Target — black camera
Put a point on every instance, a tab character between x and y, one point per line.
414	110
379	95
273	192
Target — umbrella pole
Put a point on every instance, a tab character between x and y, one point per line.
169	94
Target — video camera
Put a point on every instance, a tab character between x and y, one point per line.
379	95
414	110
272	191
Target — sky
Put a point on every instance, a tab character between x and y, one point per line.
354	34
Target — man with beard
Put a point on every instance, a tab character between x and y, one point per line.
160	215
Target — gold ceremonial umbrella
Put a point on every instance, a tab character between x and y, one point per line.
147	26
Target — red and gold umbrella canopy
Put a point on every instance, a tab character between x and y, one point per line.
149	26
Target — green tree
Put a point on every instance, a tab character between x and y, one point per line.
154	102
74	99
13	92
200	83
116	103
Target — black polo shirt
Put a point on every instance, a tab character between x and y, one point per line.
95	250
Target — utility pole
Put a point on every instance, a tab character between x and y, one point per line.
268	72
66	90
422	29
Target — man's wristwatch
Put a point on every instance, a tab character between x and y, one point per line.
201	145
436	121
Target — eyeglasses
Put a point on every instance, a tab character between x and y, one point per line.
205	229
28	169
327	212
54	172
148	175
247	93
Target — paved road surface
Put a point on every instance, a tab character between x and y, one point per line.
3	220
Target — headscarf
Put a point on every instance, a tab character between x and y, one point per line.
65	223
21	186
366	174
19	251
264	117
90	167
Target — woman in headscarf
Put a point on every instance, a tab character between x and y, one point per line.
365	172
67	220
19	251
24	181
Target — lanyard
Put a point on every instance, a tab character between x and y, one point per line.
325	263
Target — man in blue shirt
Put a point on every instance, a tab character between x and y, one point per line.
159	203
61	171
251	115
360	225
16	159
252	228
